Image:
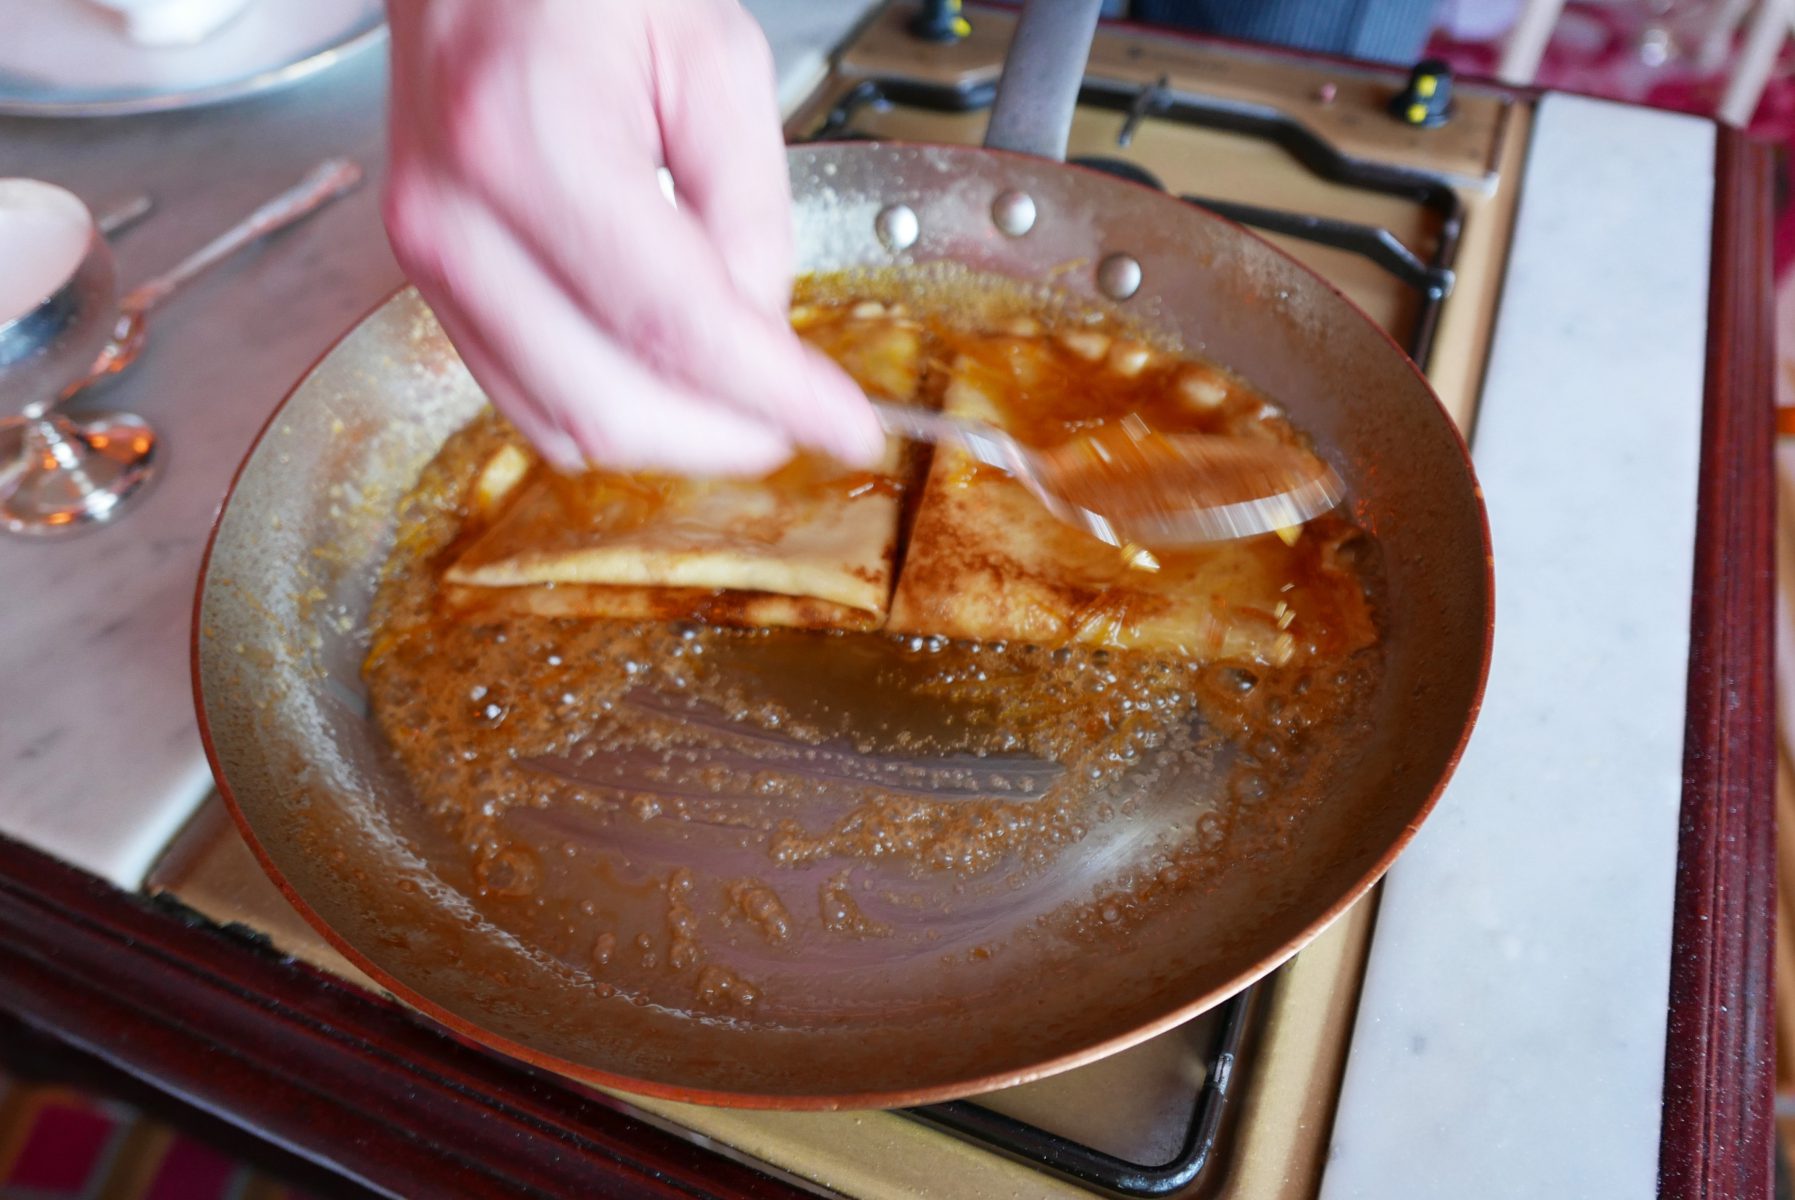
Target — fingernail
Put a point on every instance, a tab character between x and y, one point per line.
846	428
838	418
563	453
874	443
856	442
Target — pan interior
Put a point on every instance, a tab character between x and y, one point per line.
282	630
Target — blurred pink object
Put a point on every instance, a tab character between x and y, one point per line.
525	200
1679	60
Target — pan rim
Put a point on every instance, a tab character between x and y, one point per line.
469	1032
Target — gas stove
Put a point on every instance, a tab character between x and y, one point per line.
1411	222
1588	281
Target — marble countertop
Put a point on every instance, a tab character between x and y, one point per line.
803	33
100	761
1511	1032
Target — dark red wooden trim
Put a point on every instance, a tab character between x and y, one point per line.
1718	1135
322	1070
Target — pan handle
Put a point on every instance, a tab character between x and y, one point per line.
1041	77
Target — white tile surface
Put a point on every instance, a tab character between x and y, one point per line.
1510	1041
100	761
803	33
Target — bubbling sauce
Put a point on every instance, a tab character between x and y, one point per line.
702	818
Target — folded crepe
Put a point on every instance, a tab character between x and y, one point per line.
810	546
986	561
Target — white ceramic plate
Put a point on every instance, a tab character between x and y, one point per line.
70	58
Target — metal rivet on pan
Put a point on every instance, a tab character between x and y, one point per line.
1119	276
897	227
1014	212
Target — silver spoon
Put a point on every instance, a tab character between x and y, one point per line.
1137	489
59	473
322	184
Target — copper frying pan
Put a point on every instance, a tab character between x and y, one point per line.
279	633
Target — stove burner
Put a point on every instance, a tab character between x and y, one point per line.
1432	278
1120	168
1379	245
1151	102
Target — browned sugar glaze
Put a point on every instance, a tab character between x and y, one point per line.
792	827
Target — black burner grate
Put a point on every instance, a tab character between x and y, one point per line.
1086	1164
1430	278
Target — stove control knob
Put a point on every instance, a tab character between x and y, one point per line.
1426	102
939	21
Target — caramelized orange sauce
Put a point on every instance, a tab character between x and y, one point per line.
580	506
696	815
811	473
604	504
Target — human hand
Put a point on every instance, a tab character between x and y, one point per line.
523	202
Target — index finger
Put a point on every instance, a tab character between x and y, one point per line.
720	134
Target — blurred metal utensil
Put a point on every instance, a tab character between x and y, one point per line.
115	218
322	184
1137	488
